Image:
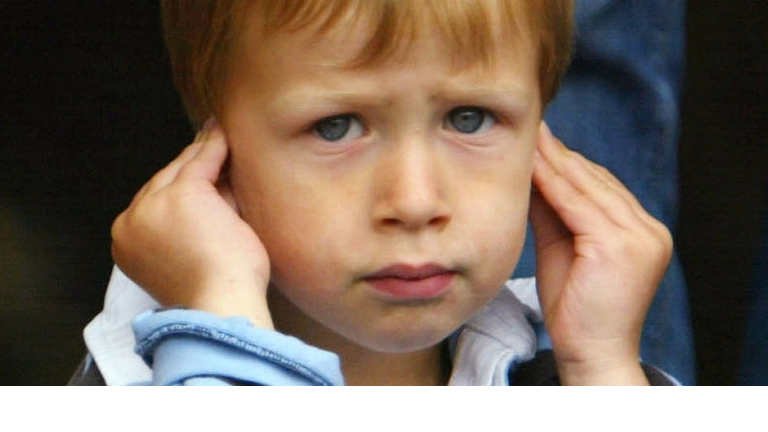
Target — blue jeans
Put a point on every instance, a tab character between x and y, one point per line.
754	358
619	106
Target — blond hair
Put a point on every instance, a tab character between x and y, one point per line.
199	34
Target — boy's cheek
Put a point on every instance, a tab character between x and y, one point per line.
504	242
500	220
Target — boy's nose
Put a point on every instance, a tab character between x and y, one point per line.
411	190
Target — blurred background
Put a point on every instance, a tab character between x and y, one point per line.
89	113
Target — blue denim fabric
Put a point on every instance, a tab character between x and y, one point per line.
619	106
191	347
754	357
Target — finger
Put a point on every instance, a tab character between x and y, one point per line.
226	192
628	196
554	248
613	182
224	186
166	175
547	227
207	164
617	186
203	135
589	181
576	210
187	155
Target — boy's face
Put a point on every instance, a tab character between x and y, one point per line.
392	199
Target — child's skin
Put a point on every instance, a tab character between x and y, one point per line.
336	174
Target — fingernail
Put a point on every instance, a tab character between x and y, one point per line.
209	124
203	132
546	131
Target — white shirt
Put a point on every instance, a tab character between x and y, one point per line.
499	335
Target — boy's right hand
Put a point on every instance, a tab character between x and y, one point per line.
183	241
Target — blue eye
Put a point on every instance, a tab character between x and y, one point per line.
338	128
469	120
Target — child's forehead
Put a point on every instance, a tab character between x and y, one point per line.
371	32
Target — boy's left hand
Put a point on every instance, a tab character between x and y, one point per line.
600	258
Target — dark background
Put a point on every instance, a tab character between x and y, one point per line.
89	113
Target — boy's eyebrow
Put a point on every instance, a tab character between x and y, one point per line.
301	95
517	97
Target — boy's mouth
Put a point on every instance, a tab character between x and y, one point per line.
411	282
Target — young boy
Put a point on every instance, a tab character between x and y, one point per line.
354	210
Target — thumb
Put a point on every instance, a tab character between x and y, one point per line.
224	187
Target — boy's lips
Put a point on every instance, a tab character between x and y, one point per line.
411	282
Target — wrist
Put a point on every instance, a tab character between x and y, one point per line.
257	314
230	299
605	372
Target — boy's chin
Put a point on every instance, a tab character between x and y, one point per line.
403	342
